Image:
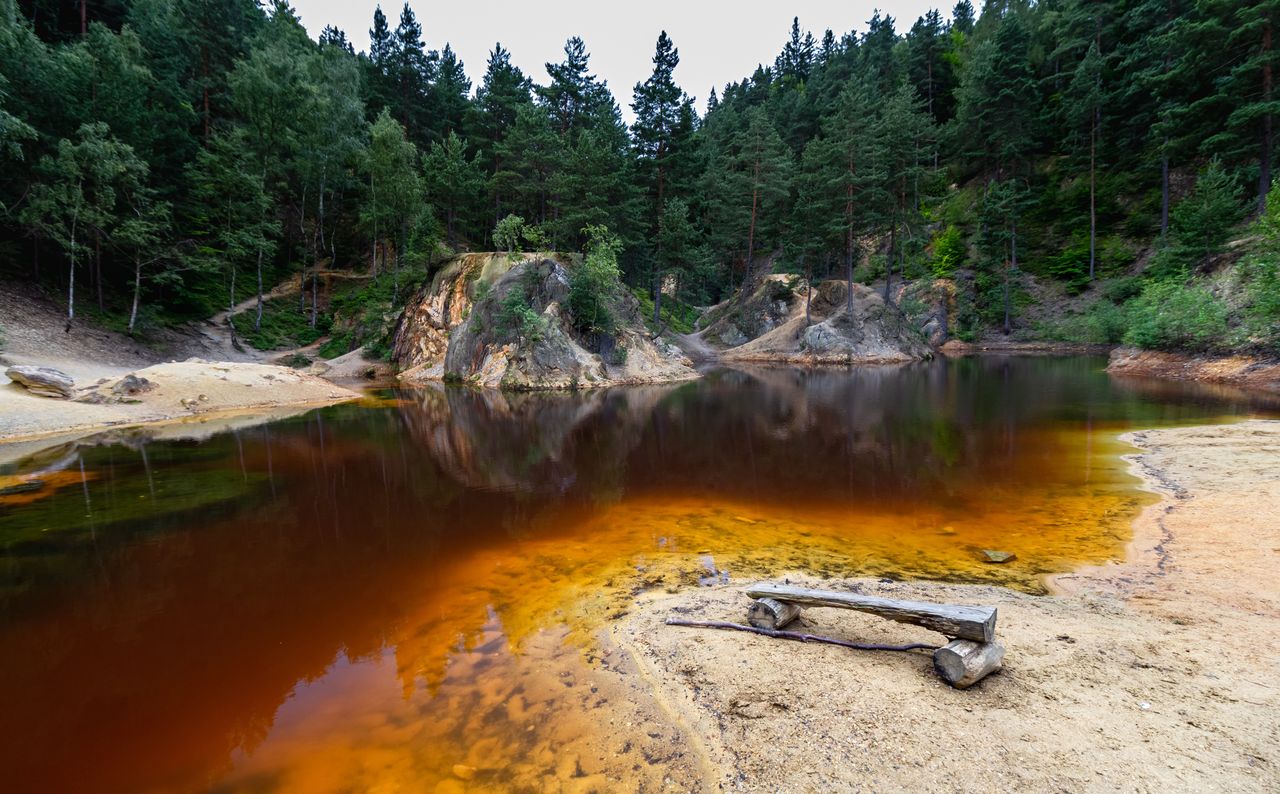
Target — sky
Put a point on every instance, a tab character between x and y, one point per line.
719	42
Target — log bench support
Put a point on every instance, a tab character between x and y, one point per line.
971	655
963	663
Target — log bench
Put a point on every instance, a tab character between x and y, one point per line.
971	654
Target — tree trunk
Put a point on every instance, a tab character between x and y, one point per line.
1013	268
1093	193
231	305
71	275
1264	169
1164	191
888	265
751	231
808	293
97	268
848	245
204	92
137	290
257	320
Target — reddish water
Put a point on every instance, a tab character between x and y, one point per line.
412	597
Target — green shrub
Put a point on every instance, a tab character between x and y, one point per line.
1120	290
595	283
507	234
1176	316
516	318
949	252
1103	323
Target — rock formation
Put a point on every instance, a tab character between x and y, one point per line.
770	326
501	320
44	381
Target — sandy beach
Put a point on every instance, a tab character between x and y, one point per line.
1157	673
194	390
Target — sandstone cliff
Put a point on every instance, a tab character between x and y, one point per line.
501	320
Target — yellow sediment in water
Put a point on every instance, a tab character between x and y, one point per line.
27	488
497	676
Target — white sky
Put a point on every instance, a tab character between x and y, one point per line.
718	41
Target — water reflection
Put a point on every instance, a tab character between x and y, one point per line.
379	597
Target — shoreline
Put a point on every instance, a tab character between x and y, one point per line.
1148	673
189	392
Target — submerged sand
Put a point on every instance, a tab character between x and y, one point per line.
1157	673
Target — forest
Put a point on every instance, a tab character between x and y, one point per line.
165	159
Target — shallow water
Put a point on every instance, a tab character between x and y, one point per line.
411	597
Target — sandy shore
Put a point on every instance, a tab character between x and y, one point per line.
189	391
1155	674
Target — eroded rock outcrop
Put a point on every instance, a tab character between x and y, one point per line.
501	321
872	333
44	381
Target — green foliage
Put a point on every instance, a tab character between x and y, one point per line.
1103	323
516	318
257	152
594	284
1175	315
284	325
1202	221
508	234
677	316
949	252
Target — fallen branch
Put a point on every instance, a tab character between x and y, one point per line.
799	637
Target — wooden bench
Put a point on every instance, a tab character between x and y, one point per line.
971	655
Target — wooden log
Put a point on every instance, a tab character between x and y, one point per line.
963	622
768	613
963	663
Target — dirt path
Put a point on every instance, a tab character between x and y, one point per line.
1155	674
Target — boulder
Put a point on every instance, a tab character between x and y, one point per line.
44	381
131	385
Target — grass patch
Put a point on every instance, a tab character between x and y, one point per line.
677	316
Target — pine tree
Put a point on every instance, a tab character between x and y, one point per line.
998	100
573	93
504	90
453	182
962	17
844	177
412	70
902	134
449	94
662	133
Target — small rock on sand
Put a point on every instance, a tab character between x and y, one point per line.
44	381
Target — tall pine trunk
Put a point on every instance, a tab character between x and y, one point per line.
1093	193
71	273
848	243
1164	190
1264	170
751	230
137	291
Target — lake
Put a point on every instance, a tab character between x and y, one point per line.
415	593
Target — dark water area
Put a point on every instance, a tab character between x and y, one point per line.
407	594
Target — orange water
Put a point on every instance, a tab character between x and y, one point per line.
412	598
